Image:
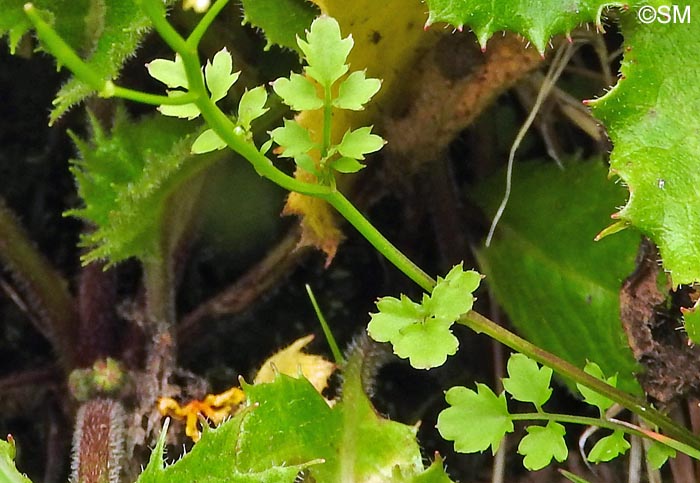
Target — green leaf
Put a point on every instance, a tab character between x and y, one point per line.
658	454
287	426
298	92
560	289
592	397
214	459
528	382
219	74
115	30
306	162
609	447
206	142
536	21
475	420
394	315
184	111
251	106
357	143
280	20
543	443
346	165
325	51
691	322
426	344
356	91
294	138
8	471
126	178
651	116
171	73
452	295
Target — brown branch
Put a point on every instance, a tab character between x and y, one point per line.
240	295
44	290
456	82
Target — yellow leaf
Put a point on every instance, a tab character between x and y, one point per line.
291	361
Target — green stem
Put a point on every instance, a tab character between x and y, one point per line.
112	90
327	120
160	293
223	126
611	424
203	25
337	355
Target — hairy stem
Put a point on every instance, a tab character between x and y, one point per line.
44	290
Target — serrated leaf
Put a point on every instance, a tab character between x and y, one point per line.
183	111
206	142
475	420
298	92
691	323
609	447
251	106
125	179
536	21
116	28
452	296
528	382
169	72
325	51
356	91
658	454
560	289
541	444
426	344
219	74
293	138
651	117
207	461
592	397
347	165
357	143
8	470
280	20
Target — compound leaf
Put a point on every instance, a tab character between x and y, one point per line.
528	382
206	142
592	397
219	74
541	444
536	21
298	92
357	143
609	447
325	51
452	295
356	91
251	106
658	454
651	116
169	72
394	315
475	420
293	138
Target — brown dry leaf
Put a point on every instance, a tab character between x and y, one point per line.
291	361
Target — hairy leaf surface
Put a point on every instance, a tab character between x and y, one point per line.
8	471
125	179
559	287
535	20
652	116
280	20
